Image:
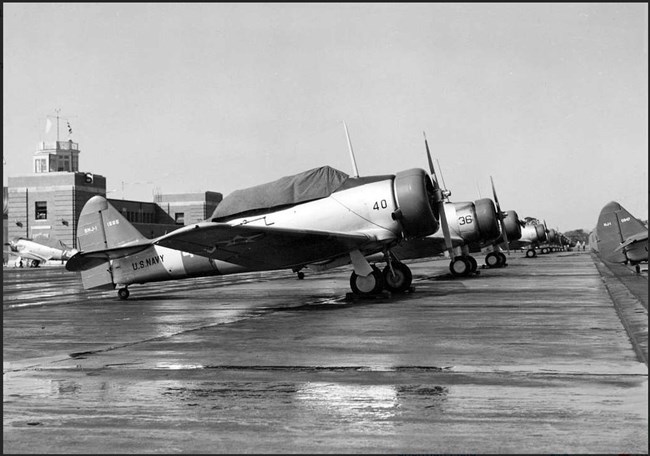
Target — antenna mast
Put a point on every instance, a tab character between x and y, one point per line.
57	123
354	162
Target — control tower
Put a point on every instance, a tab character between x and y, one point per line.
45	205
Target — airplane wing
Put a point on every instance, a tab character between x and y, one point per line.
424	247
639	237
262	247
28	255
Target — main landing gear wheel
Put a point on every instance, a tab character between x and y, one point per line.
399	279
123	293
530	253
460	266
492	260
503	259
371	284
473	265
301	275
495	260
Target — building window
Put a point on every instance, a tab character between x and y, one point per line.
180	218
53	163
41	210
40	165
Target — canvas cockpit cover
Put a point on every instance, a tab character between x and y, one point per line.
286	191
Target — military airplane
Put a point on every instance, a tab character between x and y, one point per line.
510	232
467	222
619	237
536	236
462	224
557	241
319	219
35	253
533	236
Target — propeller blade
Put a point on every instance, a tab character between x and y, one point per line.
431	168
501	218
441	203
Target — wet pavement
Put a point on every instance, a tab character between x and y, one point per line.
543	356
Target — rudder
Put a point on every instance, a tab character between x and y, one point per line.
102	227
629	224
608	234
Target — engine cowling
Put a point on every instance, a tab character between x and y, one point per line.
541	232
486	217
461	217
415	195
513	225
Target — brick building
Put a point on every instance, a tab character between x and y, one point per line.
45	205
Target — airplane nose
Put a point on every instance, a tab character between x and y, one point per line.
513	225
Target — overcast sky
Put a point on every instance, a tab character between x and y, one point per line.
549	99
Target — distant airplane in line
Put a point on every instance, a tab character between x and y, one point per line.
619	237
32	254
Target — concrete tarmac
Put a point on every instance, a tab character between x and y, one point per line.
543	356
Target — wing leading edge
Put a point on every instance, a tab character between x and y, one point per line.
260	247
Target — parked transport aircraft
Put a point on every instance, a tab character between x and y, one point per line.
32	254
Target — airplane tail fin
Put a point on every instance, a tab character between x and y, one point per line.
629	224
102	227
615	224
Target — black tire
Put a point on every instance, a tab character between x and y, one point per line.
492	260
369	285
123	293
530	253
502	259
301	275
459	266
400	281
473	264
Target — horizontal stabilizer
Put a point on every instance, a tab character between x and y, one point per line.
639	237
83	261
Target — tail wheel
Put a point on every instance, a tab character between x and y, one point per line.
399	279
459	266
371	284
492	260
123	293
